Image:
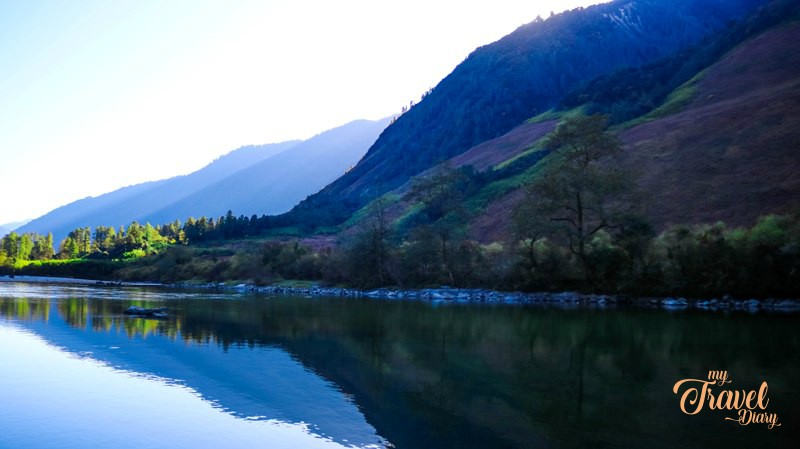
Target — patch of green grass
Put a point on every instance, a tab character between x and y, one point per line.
19	264
408	214
553	114
294	283
497	189
536	147
388	198
289	231
674	103
326	230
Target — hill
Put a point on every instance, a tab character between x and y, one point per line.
277	183
255	179
731	153
720	147
525	73
124	205
8	227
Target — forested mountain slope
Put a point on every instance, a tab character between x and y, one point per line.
500	85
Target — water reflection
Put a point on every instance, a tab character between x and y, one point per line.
434	377
263	384
55	399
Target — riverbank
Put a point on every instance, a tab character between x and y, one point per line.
482	296
444	295
75	281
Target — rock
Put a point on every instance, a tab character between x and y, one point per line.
566	297
787	305
752	304
160	312
672	303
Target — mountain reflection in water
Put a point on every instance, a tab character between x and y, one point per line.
358	371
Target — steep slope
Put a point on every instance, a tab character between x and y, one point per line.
500	85
124	205
279	182
732	153
722	147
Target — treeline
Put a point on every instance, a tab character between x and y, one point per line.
694	261
137	240
29	246
104	243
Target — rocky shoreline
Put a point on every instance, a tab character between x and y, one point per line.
446	295
481	296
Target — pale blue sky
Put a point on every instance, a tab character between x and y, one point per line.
96	95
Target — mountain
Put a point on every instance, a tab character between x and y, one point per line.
523	74
124	205
721	146
277	183
730	154
8	227
258	179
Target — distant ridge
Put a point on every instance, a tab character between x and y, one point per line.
256	179
8	227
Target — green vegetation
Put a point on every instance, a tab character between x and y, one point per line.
573	229
571	233
575	195
672	105
556	114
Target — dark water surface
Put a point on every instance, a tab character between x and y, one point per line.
248	371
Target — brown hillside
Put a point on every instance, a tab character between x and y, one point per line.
732	154
505	147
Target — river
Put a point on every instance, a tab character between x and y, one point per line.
234	370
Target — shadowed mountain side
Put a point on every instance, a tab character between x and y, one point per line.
136	202
277	183
732	154
500	85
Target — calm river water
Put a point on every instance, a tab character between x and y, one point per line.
246	371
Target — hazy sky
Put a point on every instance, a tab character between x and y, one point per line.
96	95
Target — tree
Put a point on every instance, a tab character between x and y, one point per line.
369	253
25	247
68	249
42	247
11	246
442	195
579	191
104	238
